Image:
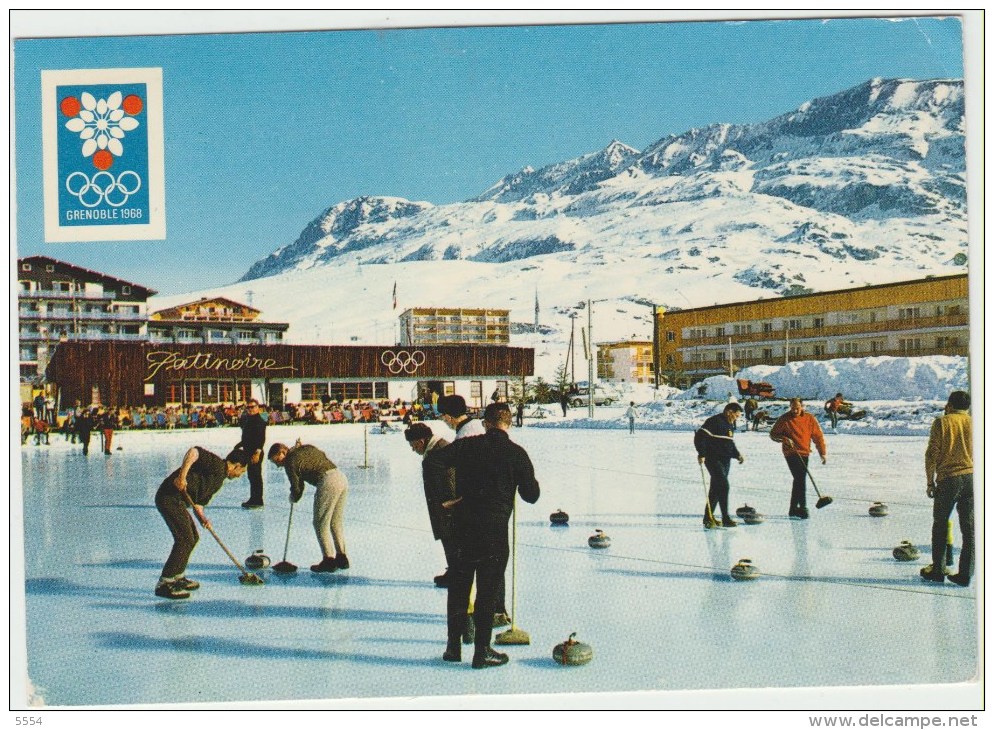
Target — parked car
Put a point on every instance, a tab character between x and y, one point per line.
582	397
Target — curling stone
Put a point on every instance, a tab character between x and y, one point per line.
745	510
906	552
878	509
599	540
559	518
257	560
744	570
572	652
753	518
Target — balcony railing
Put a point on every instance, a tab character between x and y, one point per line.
739	363
67	315
57	294
834	330
55	338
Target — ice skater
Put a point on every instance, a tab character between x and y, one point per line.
794	431
308	464
715	450
949	476
490	470
200	477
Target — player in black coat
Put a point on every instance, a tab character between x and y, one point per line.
716	449
253	427
490	470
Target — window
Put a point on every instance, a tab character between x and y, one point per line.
909	345
850	348
25	267
794	324
719	331
50	268
357	391
476	394
313	391
819	349
669	359
767	326
243	335
670	336
125	289
908	313
819	322
243	390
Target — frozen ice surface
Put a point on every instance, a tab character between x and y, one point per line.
831	608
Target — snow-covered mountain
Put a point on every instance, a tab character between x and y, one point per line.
865	186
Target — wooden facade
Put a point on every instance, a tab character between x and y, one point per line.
147	373
909	318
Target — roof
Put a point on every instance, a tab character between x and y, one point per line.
207	300
42	260
869	287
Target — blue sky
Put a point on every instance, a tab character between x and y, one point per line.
264	131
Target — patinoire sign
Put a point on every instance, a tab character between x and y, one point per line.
159	360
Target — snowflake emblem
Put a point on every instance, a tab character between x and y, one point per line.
102	124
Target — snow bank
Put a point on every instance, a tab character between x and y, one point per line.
901	395
857	378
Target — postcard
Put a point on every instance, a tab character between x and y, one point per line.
385	359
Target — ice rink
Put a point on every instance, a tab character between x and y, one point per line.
831	608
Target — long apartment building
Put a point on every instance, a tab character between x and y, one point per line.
455	326
908	318
625	361
61	302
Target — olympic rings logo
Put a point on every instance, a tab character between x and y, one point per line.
402	361
103	187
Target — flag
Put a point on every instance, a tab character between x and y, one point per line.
395	295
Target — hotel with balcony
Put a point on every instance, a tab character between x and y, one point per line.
455	326
213	321
60	302
904	319
625	361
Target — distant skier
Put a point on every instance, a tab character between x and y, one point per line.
632	414
751	406
833	406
